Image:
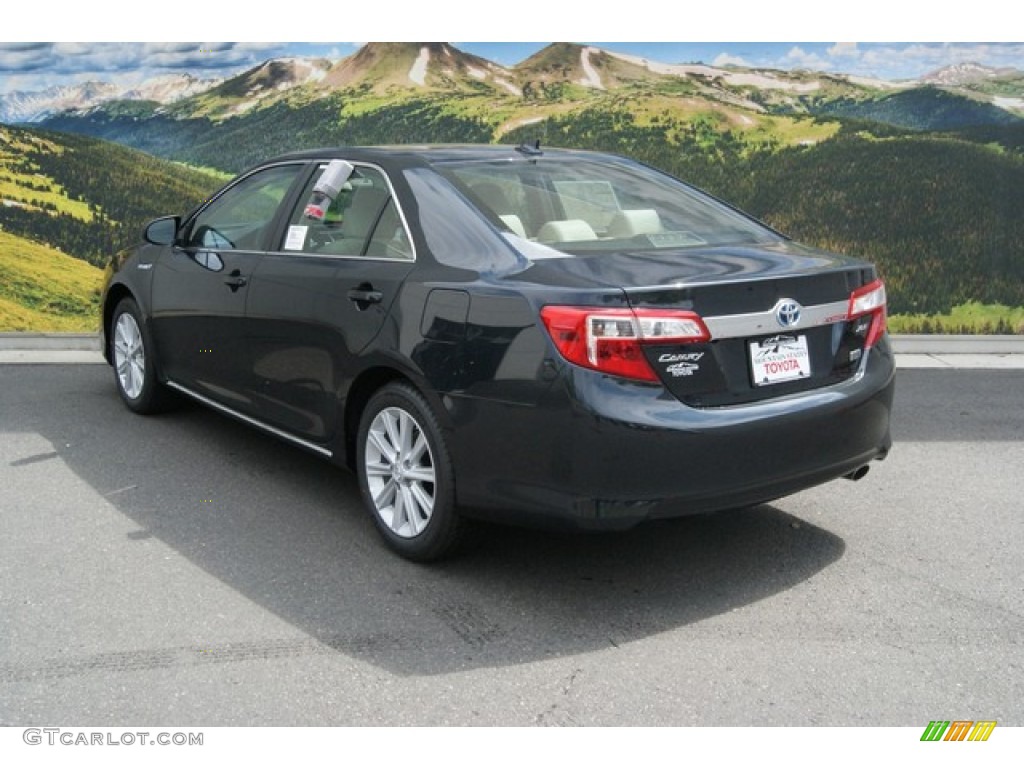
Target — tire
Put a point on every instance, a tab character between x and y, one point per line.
411	497
133	355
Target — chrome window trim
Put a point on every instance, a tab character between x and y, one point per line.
335	256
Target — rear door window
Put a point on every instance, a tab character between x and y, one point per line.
363	220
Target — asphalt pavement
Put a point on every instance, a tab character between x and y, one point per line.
185	569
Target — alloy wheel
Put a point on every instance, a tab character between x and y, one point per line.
400	472
129	356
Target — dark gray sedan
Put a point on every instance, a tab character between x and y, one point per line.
509	333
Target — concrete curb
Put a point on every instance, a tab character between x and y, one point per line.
50	341
909	344
949	352
914	344
50	356
961	361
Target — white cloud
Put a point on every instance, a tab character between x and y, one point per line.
31	66
914	60
726	59
892	61
172	48
798	58
21	58
337	52
844	51
22	46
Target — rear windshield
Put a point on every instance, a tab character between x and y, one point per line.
581	205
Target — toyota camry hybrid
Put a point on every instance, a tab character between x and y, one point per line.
517	334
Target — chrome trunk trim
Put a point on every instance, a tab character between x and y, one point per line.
761	323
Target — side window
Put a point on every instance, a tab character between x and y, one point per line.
238	218
362	220
390	239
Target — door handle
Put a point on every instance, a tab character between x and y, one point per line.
235	281
364	295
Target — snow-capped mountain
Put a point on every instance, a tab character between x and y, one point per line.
33	106
439	66
557	72
166	89
964	73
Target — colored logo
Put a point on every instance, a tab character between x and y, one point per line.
958	730
787	313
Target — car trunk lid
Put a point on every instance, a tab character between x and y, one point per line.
778	316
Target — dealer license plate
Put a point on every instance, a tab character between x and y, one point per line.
780	358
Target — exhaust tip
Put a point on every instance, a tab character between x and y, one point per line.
857	474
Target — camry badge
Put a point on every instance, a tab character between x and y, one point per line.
787	313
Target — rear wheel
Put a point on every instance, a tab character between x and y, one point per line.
406	476
134	364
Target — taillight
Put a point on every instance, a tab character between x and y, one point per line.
610	340
869	300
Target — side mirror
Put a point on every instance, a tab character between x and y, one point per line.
162	231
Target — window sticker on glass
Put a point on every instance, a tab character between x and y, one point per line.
296	238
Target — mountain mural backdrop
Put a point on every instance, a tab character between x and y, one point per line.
924	177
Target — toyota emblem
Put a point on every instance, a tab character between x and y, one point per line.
787	312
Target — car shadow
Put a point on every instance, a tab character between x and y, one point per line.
288	531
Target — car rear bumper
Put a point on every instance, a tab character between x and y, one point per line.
599	452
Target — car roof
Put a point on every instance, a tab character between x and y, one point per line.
420	154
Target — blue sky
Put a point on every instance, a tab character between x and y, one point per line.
33	66
708	26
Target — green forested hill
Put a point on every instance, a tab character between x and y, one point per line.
237	143
926	109
939	212
1010	137
940	215
85	197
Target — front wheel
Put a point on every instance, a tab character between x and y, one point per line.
406	476
134	363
